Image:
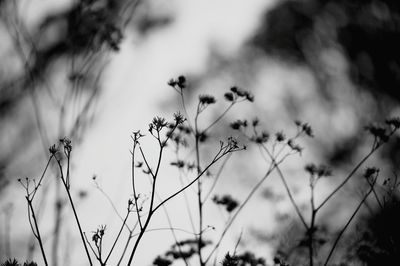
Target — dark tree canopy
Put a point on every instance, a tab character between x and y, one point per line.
367	31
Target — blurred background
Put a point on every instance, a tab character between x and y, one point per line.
98	73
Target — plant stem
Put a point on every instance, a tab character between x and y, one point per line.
37	230
375	194
311	230
57	225
173	233
74	211
345	227
297	209
118	236
217	157
199	187
135	197
216	178
78	223
153	190
142	231
125	247
249	196
348	177
219	117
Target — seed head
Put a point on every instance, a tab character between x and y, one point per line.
207	99
370	171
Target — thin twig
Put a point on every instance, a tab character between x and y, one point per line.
217	157
37	234
118	236
199	185
374	148
219	117
75	213
217	176
352	172
249	196
296	207
135	196
345	227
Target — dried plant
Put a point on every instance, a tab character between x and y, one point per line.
185	136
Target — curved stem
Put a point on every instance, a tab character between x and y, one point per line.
217	177
296	207
37	234
345	227
347	178
219	117
249	196
79	225
135	197
74	211
216	158
199	186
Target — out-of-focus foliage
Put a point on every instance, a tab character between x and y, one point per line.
51	73
14	262
365	32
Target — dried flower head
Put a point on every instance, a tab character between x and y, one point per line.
162	261
394	122
294	147
308	130
304	128
66	142
207	99
370	171
130	203
202	136
172	82
255	122
319	171
227	201
379	132
136	136
249	97
53	149
230	260
237	92
310	168
229	97
280	136
178	118
238	124
234	89
178	163
158	124
233	144
180	82
98	234
260	138
184	129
